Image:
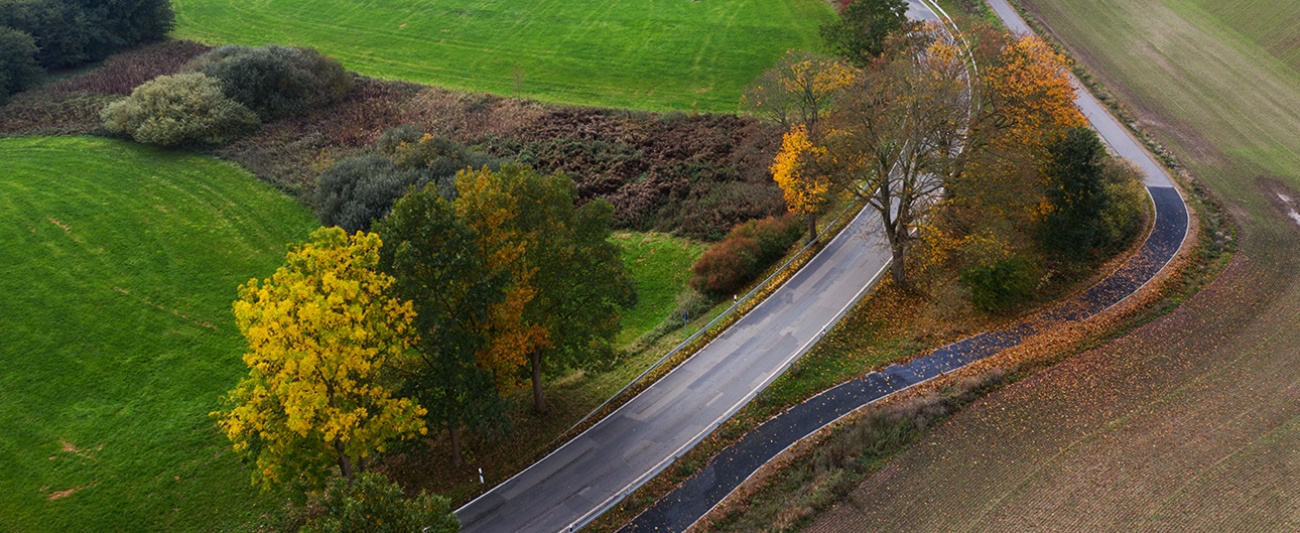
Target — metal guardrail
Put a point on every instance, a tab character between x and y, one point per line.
709	326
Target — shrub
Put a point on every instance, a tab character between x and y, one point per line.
374	504
181	109
441	156
726	266
748	249
276	81
359	190
60	30
1126	198
1001	285
774	236
18	68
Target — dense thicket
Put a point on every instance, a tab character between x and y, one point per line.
360	189
276	81
54	34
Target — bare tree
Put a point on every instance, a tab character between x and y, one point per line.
895	133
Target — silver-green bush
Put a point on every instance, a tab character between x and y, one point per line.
175	110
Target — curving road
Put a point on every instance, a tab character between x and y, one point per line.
717	480
599	467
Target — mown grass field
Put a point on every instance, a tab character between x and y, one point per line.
1191	423
118	265
648	54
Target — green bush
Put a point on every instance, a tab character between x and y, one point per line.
373	504
276	81
361	189
748	249
176	110
440	156
1001	285
18	68
358	190
774	236
1126	199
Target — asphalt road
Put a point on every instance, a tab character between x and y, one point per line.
724	473
603	464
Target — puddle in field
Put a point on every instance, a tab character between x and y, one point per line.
1286	196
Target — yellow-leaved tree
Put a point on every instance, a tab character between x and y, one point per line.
795	171
323	338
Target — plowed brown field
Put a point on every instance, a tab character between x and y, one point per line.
1191	422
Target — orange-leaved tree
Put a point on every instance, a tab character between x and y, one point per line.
568	283
323	338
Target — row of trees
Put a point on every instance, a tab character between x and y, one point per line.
432	320
51	34
989	168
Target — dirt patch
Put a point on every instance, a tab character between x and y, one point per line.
1285	199
60	494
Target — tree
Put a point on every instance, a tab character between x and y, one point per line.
863	27
895	133
1028	98
437	264
997	188
18	68
568	283
176	110
1076	195
373	504
798	89
323	339
795	170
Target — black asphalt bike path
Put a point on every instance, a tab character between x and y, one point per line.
699	494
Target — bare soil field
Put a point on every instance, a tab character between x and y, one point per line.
1191	422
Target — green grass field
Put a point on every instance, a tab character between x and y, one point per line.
1192	422
661	267
644	54
118	265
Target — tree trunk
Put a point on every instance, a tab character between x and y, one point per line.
900	274
345	464
454	433
539	402
812	228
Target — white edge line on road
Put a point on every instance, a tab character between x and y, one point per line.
842	234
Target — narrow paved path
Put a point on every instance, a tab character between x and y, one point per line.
701	493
